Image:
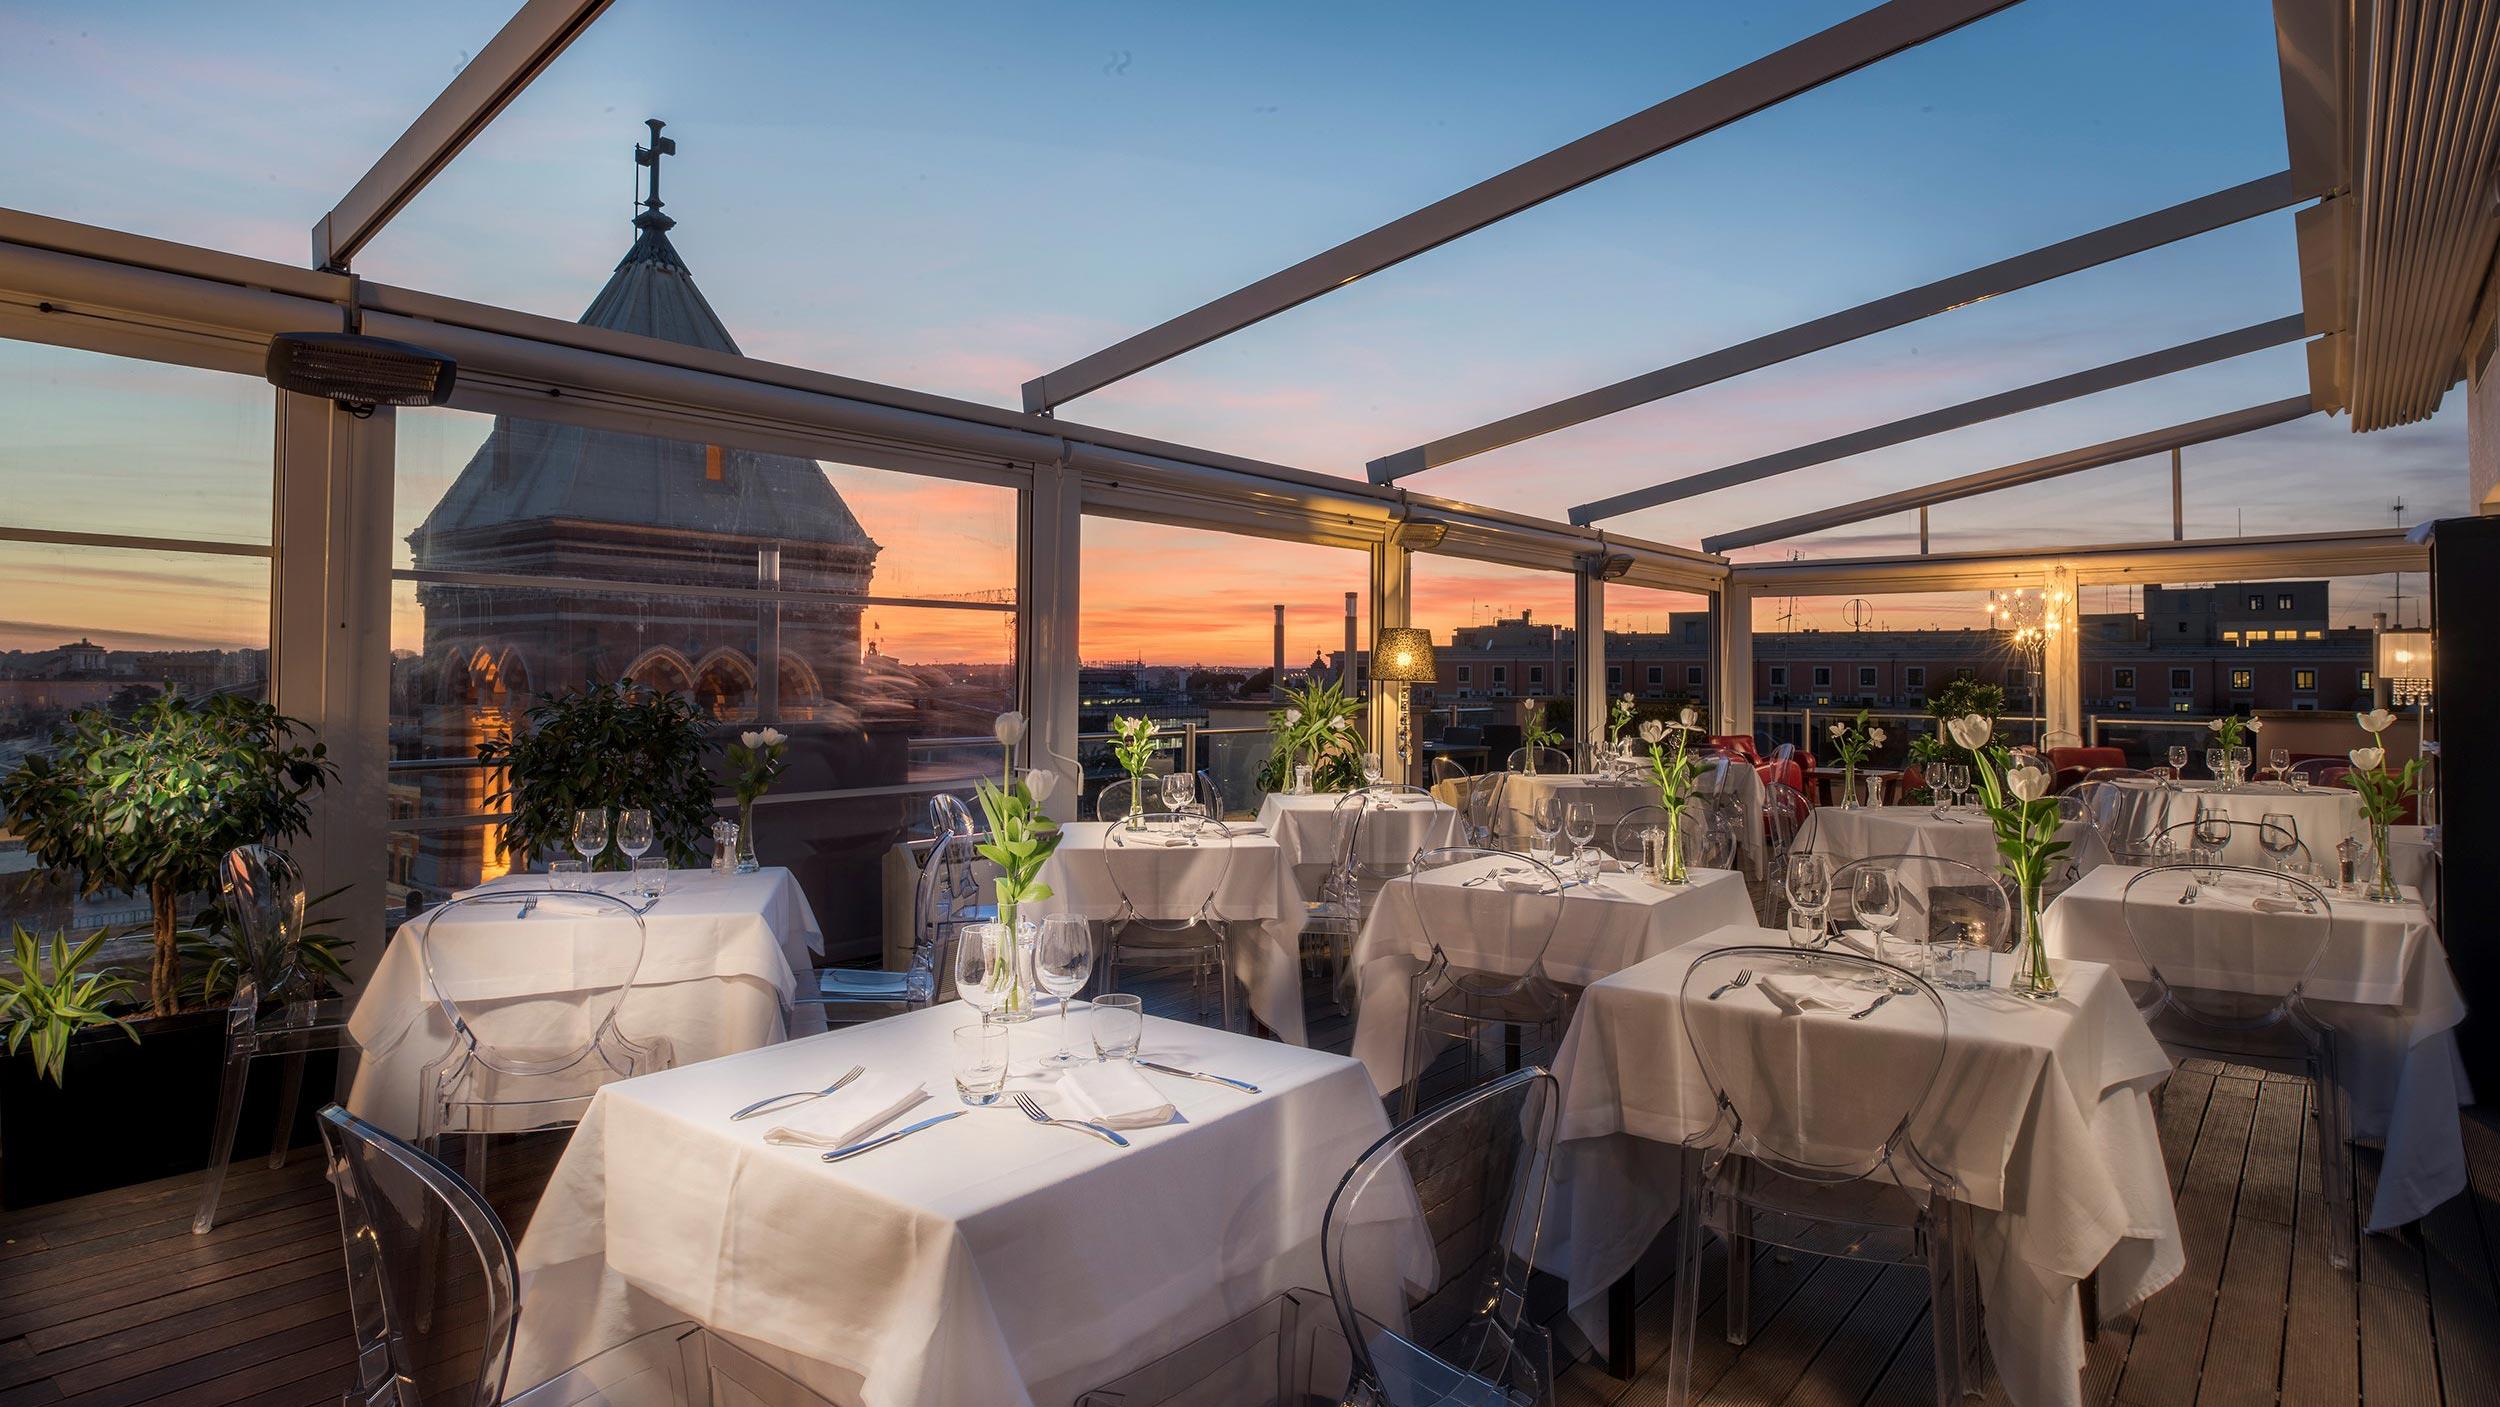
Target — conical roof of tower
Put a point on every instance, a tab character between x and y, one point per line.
536	470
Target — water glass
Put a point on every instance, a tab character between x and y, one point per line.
651	875
1546	819
1580	824
976	944
1302	779
568	874
981	1061
1119	1026
590	834
1965	962
634	834
1876	896
1192	818
1808	880
2278	834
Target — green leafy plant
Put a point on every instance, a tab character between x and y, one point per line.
1536	727
44	1010
1021	840
2024	816
1675	771
2383	793
1317	724
151	803
756	761
1133	743
217	953
608	747
1619	716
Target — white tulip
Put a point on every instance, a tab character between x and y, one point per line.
774	737
1970	731
750	739
1690	718
2375	722
2027	783
1837	729
2367	758
1041	783
1009	729
1628	701
1875	736
2214	725
1653	732
2255	724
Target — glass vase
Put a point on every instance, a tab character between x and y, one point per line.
1663	846
1136	818
746	838
1849	786
2032	977
2383	888
1010	977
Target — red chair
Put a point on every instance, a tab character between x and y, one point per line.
2069	765
1737	744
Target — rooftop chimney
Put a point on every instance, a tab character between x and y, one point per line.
1276	671
1345	671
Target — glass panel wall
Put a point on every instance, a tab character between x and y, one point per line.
100	626
867	614
1502	637
1658	648
1197	630
1818	660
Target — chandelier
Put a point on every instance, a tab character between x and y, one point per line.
2032	617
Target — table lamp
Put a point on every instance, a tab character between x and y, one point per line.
1402	655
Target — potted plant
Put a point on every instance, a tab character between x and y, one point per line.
1133	744
1315	728
603	747
756	760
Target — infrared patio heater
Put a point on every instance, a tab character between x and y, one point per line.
358	372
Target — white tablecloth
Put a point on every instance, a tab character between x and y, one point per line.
722	956
988	1260
2383	983
2042	1110
1253	889
1304	827
1602	929
1613	799
2322	815
1841	834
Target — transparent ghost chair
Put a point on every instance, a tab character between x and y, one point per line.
1937	901
523	1058
422	1244
2128	814
1168	877
1446	771
1481	807
959	897
2226	974
853	995
1784	813
1483	976
1211	796
1335	915
1842	1178
1119	796
1624	841
2222	840
278	1007
1549	761
1429	1246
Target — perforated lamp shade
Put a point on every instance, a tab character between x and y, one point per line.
2404	661
1403	655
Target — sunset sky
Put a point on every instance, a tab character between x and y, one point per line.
958	197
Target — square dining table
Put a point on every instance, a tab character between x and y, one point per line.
1841	834
1603	927
2382	982
1391	833
2042	1111
723	956
987	1260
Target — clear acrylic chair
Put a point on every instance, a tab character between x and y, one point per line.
852	995
1157	934
1844	1179
959	897
1480	806
1335	915
1429	1246
1445	769
277	1009
1624	841
2226	978
1784	813
2247	844
519	1064
1451	892
421	1243
1550	761
1117	795
1939	900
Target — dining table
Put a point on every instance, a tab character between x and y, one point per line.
986	1259
1612	797
2322	816
2048	1131
724	955
1841	834
1394	829
1833	781
2382	981
1232	873
1603	926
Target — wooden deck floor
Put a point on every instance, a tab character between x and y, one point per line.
109	1301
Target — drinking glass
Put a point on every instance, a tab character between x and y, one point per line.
568	874
2278	761
1876	895
2214	758
974	947
2213	836
1063	957
1191	818
1808	881
1580	826
651	874
1546	819
2279	836
1119	1024
634	835
1179	789
1964	961
981	1061
1373	776
590	834
2178	756
1956	781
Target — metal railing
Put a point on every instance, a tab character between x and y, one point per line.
1808	728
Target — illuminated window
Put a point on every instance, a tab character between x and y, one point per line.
2230	637
2364	681
2282	603
2256	602
2243	680
2305	680
2313	635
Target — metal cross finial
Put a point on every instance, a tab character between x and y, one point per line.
650	156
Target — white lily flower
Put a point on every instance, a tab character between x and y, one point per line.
1009	729
2367	759
1875	736
2027	783
750	739
1970	731
774	737
1653	732
1041	782
2375	722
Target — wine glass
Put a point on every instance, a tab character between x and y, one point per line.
2278	761
2213	836
2279	836
1063	957
1373	776
2214	758
1876	895
1580	825
634	836
1179	789
2178	756
590	835
1808	880
975	945
1546	819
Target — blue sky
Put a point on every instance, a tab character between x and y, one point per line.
959	196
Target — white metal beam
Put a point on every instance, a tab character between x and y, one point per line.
1809	63
2363	552
2202	352
519	52
2084	251
2194	432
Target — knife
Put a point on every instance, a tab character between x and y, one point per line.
1243	1085
838	1154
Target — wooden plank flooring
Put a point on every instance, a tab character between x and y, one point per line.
109	1301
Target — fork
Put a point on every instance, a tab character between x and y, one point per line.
799	1096
1743	976
1034	1112
1870	1008
1489	876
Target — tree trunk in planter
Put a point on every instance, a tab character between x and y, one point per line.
164	966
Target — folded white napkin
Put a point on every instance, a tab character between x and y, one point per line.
846	1115
1525	884
1155	837
1116	1094
1239	828
2269	904
1790	1002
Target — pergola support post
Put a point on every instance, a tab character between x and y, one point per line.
1731	663
1392	604
1588	656
1053	529
2061	669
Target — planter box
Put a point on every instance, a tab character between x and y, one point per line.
128	1113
